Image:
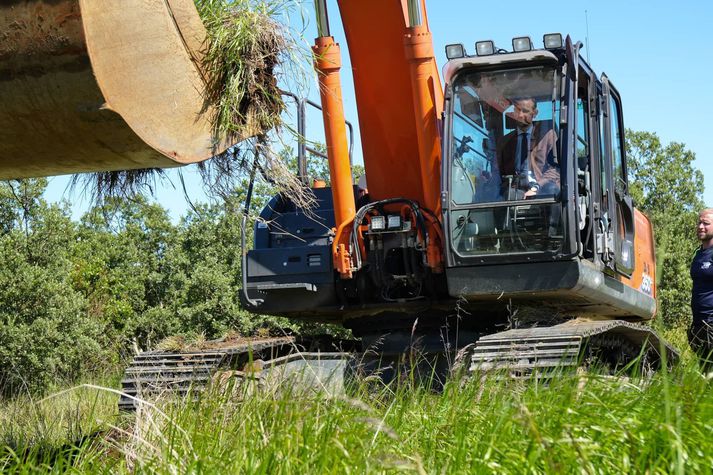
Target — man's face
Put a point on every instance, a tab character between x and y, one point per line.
525	112
704	231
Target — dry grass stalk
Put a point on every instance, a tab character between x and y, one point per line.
222	174
245	45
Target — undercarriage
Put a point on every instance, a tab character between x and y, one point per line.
426	356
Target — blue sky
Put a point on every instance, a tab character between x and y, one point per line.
657	53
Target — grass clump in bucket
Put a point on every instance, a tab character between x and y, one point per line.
244	45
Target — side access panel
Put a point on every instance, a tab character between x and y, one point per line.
290	268
291	279
574	287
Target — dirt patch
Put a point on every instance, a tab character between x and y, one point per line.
184	344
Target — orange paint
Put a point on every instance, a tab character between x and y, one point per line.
340	250
643	278
327	63
418	45
400	99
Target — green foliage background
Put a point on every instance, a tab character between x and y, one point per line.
668	188
78	297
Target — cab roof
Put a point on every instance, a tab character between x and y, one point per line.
452	67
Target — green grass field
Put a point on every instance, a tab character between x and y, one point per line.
573	424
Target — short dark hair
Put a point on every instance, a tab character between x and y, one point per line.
522	99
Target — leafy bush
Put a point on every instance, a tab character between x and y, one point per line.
46	332
74	296
668	188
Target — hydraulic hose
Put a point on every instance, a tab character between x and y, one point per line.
246	209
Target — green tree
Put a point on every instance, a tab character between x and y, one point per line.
45	331
206	269
317	166
121	268
668	188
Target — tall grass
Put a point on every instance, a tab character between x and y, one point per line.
572	424
56	433
248	45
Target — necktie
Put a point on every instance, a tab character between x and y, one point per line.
524	152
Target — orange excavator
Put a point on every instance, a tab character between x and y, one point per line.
509	234
495	224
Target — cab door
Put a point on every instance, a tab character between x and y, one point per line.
616	184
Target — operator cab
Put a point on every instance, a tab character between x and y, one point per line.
505	174
534	180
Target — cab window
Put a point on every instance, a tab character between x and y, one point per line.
620	179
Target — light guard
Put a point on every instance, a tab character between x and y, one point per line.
485	48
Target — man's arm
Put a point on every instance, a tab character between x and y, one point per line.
551	170
533	186
542	159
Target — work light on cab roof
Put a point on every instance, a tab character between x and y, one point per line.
552	40
484	48
454	51
521	43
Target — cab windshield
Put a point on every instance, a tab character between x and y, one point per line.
504	150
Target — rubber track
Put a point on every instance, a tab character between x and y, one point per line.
539	351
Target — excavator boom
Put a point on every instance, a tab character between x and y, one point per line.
380	39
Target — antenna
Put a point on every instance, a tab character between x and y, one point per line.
586	38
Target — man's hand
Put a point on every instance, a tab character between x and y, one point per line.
531	192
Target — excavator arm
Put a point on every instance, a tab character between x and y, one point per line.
400	100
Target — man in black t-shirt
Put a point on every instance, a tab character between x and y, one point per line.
700	334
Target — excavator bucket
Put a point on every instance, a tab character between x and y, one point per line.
100	85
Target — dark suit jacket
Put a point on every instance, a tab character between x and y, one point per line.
542	158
